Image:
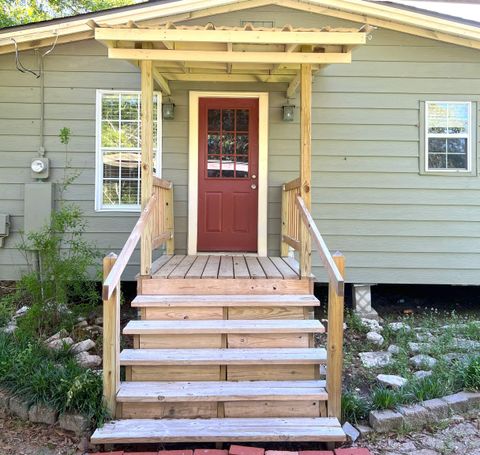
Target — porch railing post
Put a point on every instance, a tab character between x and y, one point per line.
305	163
169	221
146	98
335	344
284	248
111	340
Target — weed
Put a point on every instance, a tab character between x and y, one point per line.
471	374
355	323
354	407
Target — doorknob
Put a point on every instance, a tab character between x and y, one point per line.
253	186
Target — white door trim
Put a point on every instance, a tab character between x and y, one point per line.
262	164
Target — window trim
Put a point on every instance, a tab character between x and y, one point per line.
471	139
99	206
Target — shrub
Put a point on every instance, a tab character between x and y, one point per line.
471	374
434	386
354	407
30	370
62	275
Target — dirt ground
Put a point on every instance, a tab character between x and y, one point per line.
18	437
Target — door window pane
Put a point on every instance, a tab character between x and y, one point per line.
228	143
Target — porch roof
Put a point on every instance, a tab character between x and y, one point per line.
230	54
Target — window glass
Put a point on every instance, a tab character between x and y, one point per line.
120	143
448	135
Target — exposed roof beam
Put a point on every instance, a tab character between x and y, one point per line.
229	36
293	86
229	57
162	82
223	77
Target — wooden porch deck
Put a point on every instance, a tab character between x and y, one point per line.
225	267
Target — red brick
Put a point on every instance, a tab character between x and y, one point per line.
210	452
280	452
244	450
140	453
175	452
352	452
315	452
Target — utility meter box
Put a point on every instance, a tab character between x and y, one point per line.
4	227
38	205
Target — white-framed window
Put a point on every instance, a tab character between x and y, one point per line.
448	136
118	148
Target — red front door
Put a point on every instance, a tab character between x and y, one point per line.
228	174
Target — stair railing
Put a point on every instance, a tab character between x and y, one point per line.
294	210
158	217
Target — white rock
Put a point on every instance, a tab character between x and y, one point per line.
352	433
87	360
394	349
22	311
62	334
58	345
81	325
10	327
99	320
398	326
422	374
391	380
424	336
375	337
82	346
461	343
418	347
375	359
371	324
422	360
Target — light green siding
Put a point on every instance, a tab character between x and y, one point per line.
369	199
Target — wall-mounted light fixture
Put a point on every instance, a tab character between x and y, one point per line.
168	110
288	112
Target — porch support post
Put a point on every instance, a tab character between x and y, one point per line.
146	70
305	163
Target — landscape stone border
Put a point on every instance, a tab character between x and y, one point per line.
428	412
40	413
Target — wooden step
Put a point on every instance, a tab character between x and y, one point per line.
165	392
134	431
223	326
253	356
225	300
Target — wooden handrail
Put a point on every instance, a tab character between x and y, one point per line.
113	278
334	274
292	185
162	183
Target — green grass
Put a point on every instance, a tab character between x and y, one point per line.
354	407
28	369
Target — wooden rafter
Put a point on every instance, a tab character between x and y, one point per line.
229	57
161	81
230	36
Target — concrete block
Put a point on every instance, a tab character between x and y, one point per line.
74	422
385	421
438	409
414	416
42	414
457	402
19	407
364	430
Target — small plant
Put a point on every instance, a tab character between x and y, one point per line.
7	308
65	134
434	386
383	398
354	407
355	323
471	374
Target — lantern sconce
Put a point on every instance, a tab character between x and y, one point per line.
168	110
288	112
